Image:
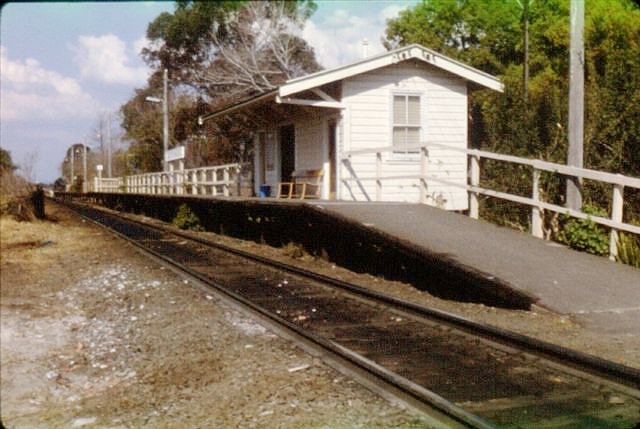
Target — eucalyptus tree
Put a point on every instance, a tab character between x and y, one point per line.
216	53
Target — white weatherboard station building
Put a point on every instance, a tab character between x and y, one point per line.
406	97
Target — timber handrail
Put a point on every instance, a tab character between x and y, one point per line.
210	180
474	189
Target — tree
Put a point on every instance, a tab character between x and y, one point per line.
489	35
180	41
216	53
260	50
6	164
142	123
206	45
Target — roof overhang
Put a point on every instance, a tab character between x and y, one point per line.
314	81
241	105
415	51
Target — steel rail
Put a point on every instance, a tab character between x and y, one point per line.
595	365
399	384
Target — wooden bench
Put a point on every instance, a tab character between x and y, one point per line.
304	184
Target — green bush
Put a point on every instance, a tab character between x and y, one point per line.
629	250
586	235
186	219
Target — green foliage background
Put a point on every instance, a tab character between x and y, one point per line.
185	42
489	35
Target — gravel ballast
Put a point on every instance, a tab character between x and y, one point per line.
94	334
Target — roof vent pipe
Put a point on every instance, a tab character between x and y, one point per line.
365	48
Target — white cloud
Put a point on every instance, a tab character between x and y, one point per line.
337	39
30	91
105	59
391	11
140	43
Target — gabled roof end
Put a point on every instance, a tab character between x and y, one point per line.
414	51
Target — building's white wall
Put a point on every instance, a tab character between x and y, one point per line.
367	124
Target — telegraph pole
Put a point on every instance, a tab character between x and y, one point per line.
84	166
73	173
109	146
525	15
576	102
165	120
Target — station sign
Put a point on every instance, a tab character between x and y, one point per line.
175	154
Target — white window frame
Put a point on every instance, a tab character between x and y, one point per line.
401	155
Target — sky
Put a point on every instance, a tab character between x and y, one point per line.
63	65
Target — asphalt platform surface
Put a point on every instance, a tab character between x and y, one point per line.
599	293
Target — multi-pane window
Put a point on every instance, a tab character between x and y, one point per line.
406	123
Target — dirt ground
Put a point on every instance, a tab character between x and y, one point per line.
96	335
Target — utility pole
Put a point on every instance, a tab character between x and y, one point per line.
576	102
525	15
165	120
84	166
73	173
109	146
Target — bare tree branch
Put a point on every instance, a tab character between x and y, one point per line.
260	52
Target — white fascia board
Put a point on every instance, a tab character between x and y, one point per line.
314	103
238	106
456	67
328	76
388	58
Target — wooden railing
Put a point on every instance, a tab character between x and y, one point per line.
216	181
104	185
618	181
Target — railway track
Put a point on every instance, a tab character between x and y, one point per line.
471	374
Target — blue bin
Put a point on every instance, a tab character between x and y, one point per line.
265	191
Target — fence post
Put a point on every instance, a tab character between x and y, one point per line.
238	179
475	181
214	181
378	175
536	213
616	216
423	174
203	178
225	178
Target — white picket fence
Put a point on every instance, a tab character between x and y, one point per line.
217	181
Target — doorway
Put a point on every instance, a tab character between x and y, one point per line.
332	159
287	152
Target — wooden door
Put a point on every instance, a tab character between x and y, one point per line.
332	159
287	152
